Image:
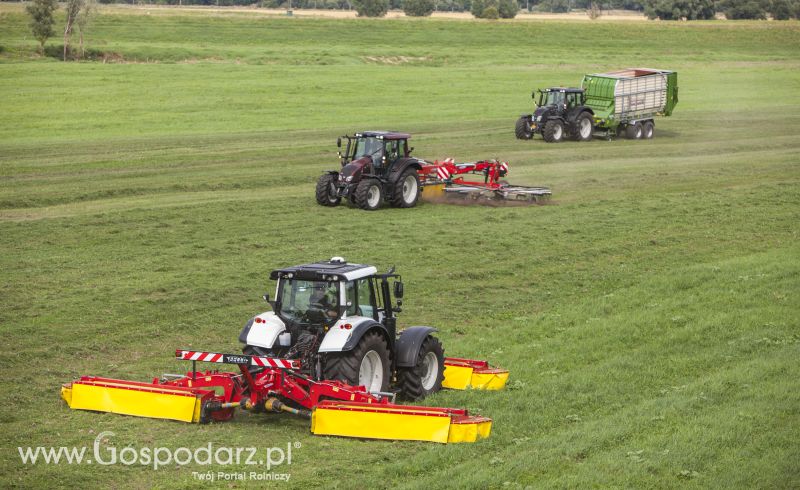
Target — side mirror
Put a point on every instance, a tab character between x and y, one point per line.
398	290
410	150
339	142
266	298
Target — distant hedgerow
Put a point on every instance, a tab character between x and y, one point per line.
371	8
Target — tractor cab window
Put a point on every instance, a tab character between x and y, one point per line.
361	298
392	150
369	147
551	98
573	100
308	301
366	298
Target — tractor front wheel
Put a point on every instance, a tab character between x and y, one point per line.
553	131
523	129
406	190
366	365
326	191
427	374
369	194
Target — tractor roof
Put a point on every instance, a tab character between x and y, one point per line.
330	270
568	90
385	135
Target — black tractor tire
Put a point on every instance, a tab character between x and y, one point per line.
523	129
368	194
406	191
553	131
426	376
326	191
634	131
579	131
648	130
346	366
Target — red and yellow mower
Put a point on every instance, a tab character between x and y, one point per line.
328	351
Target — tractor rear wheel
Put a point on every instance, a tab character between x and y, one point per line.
326	191
368	194
634	131
647	130
523	129
366	365
405	193
583	127
553	131
427	374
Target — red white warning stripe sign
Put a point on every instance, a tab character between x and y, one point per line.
277	363
260	361
442	173
188	355
504	166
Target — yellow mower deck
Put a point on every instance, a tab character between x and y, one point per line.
461	374
135	398
410	423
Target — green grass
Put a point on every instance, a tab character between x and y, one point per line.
649	317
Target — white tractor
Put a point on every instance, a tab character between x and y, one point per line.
339	320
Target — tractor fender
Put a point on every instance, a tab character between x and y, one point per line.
573	114
339	338
408	344
262	330
400	166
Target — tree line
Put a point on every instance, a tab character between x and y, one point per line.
79	12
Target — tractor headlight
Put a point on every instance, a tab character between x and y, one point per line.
349	178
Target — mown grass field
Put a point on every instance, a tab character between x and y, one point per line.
649	317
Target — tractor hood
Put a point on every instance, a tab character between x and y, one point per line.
355	168
541	112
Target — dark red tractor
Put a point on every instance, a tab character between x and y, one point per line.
376	167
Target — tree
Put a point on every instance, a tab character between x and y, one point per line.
41	12
507	9
74	8
84	16
781	10
594	11
556	6
371	8
418	8
490	12
745	9
679	9
477	8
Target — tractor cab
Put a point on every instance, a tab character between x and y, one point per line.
380	149
559	98
316	296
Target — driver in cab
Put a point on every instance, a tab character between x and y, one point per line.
324	298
